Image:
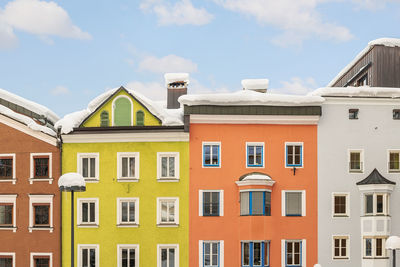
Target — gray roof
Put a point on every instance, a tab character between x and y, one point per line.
375	178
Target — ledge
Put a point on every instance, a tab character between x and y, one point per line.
40	229
127	180
167	225
126	225
12	180
8	228
31	180
88	226
168	180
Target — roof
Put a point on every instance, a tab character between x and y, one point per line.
362	91
375	178
389	42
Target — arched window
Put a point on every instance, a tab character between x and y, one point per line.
122	112
140	118
104	119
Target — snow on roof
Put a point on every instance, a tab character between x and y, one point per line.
71	179
28	121
248	97
176	77
257	176
30	105
390	42
251	84
362	91
168	117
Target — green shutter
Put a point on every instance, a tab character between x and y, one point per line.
122	112
140	118
104	119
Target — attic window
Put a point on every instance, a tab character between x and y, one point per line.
363	81
353	114
140	118
396	114
104	119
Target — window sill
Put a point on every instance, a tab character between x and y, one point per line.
254	166
340	216
211	166
293	215
127	180
88	226
375	258
50	180
356	171
11	180
91	180
206	215
127	225
8	228
294	166
167	180
342	258
39	228
394	171
261	215
167	225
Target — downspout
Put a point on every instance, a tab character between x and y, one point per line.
60	148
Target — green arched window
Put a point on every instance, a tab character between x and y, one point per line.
140	118
104	119
122	112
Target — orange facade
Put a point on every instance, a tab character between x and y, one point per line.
233	228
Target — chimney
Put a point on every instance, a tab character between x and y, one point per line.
258	85
176	86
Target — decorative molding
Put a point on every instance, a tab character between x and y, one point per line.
126	137
254	119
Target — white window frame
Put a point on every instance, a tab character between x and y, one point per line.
88	246
127	246
14	177
81	156
303	202
347	257
6	199
32	166
373	248
263	154
303	251
166	246
79	222
12	254
362	162
41	254
375	202
159	166
302	154
42	199
388	160
220	252
121	155
119	212
221	202
168	224
219	154
341	194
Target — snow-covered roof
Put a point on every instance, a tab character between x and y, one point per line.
390	42
176	77
362	91
251	84
168	117
30	105
248	97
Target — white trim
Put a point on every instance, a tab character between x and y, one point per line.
221	201
12	254
25	129
201	253
88	246
161	246
388	160
302	154
303	202
255	190
45	199
345	194
14	177
220	252
119	214
128	246
304	252
253	119
159	165
40	254
79	222
32	166
263	154
362	162
373	247
126	137
113	108
176	210
135	155
80	157
385	199
205	143
283	254
10	199
266	182
341	258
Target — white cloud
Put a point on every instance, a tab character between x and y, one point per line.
60	90
170	63
7	36
298	19
153	90
180	13
296	86
373	4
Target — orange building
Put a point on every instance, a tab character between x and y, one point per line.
253	179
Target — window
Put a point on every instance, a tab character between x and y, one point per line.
140	118
168	256
168	165
88	255
293	253
7	166
363	81
167	211
128	255
7	212
7	259
88	212
88	166
340	204
255	155
255	254
376	204
41	212
293	203
104	119
211	154
294	154
394	161
41	167
122	111
128	211
210	253
374	247
355	161
41	260
340	247
353	114
128	166
211	203
255	203
396	114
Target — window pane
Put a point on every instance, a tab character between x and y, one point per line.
41	214
379	247
85	258
289	253
124	258
92	257
379	203
124	167
92	167
164	257
340	204
171	166
215	154
214	254
293	203
41	167
164	167
259	155
124	211
171	257
369	203
164	211
368	247
355	161
257	203
206	203
256	253
394	161
214	203
6	262
246	254
85	212
92	212
132	258
6	168
41	262
207	154
268	203
171	211
244	203
6	215
207	254
250	152
131	211
85	167
132	167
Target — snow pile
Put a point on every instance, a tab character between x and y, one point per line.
248	97
176	77
71	179
362	91
257	176
26	120
393	242
390	42
30	105
254	84
167	117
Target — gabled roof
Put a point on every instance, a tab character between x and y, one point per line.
375	178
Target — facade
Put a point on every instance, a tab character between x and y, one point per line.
253	179
133	155
29	197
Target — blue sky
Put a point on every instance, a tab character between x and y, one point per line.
64	53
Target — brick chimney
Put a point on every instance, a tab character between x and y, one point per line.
176	86
258	85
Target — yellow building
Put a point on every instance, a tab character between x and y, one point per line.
133	154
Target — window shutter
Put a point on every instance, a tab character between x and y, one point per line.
293	203
140	118
244	203
104	119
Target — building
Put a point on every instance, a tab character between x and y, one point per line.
253	178
29	195
133	154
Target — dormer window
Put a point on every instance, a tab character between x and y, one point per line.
396	114
363	81
104	119
353	114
